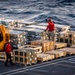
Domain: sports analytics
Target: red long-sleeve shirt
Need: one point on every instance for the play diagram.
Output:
(8, 48)
(50, 26)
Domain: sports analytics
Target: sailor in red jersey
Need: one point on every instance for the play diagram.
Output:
(8, 50)
(50, 28)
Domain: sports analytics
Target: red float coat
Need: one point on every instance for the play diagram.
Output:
(8, 48)
(50, 26)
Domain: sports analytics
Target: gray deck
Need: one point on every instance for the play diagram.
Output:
(61, 66)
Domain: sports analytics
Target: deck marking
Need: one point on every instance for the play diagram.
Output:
(66, 65)
(41, 70)
(70, 62)
(35, 65)
(73, 59)
(33, 68)
(28, 73)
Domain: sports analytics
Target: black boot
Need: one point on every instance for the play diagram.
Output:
(6, 63)
(12, 64)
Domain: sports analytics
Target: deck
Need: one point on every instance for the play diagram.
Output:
(60, 66)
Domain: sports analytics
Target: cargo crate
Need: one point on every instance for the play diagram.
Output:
(45, 44)
(18, 38)
(52, 43)
(41, 43)
(68, 37)
(33, 47)
(20, 55)
(25, 56)
(33, 55)
(16, 59)
(25, 60)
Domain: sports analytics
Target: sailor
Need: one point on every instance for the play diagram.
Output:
(8, 50)
(50, 28)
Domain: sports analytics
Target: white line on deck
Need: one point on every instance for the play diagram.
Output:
(43, 66)
(72, 59)
(41, 70)
(34, 68)
(70, 62)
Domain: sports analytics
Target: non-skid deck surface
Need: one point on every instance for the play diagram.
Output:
(63, 66)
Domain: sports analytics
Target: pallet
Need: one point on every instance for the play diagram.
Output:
(56, 53)
(59, 45)
(69, 51)
(44, 57)
(3, 56)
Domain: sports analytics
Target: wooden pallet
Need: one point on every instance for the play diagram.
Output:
(68, 51)
(44, 57)
(59, 45)
(3, 56)
(56, 53)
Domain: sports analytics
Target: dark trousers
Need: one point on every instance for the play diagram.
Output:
(8, 57)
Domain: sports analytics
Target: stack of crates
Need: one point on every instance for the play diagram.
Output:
(35, 34)
(18, 38)
(68, 37)
(31, 33)
(45, 44)
(26, 57)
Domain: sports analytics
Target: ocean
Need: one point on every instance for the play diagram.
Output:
(61, 11)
